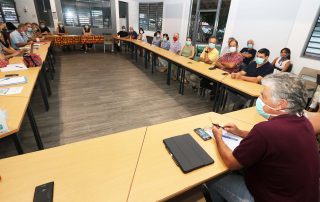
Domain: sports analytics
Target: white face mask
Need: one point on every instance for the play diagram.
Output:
(232, 49)
(141, 32)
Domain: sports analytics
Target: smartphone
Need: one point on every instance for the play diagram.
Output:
(205, 136)
(44, 193)
(212, 68)
(11, 75)
(225, 73)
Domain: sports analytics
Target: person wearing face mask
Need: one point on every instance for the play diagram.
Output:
(18, 37)
(121, 34)
(132, 34)
(226, 49)
(165, 44)
(86, 31)
(257, 69)
(230, 62)
(44, 29)
(61, 30)
(156, 41)
(278, 156)
(175, 47)
(249, 52)
(282, 63)
(210, 54)
(29, 31)
(141, 37)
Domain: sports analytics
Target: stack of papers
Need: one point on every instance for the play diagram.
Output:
(13, 80)
(14, 67)
(11, 91)
(231, 140)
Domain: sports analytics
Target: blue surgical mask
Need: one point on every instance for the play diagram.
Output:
(212, 45)
(29, 29)
(188, 43)
(164, 39)
(259, 106)
(250, 45)
(259, 61)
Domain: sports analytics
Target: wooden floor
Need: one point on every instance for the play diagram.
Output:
(97, 94)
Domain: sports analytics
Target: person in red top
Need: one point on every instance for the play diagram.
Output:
(232, 60)
(279, 156)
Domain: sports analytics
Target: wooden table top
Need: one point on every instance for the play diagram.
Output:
(249, 88)
(99, 169)
(248, 115)
(15, 108)
(157, 176)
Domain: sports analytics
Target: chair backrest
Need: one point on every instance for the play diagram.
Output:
(309, 75)
(107, 37)
(290, 68)
(199, 49)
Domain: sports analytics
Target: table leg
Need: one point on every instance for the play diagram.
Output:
(34, 128)
(183, 74)
(51, 64)
(216, 97)
(146, 59)
(43, 93)
(17, 143)
(46, 80)
(49, 69)
(169, 72)
(136, 52)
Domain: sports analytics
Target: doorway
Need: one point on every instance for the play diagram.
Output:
(123, 14)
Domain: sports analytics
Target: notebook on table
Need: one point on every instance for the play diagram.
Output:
(187, 153)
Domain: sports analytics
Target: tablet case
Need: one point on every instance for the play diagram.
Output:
(187, 153)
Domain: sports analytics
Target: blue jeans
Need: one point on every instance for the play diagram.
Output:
(230, 187)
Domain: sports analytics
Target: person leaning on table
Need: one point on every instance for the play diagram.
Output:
(279, 156)
(257, 69)
(232, 60)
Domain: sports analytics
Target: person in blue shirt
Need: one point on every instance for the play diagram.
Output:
(18, 37)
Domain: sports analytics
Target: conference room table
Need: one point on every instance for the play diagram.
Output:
(223, 79)
(248, 115)
(17, 105)
(99, 169)
(66, 39)
(128, 166)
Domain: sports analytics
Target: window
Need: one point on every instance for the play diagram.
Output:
(8, 11)
(313, 46)
(96, 13)
(150, 16)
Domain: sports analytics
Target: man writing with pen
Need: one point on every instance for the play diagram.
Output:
(279, 157)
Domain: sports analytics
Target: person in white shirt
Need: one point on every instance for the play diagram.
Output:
(282, 63)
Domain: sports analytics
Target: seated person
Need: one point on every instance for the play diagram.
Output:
(132, 34)
(4, 34)
(282, 63)
(249, 52)
(86, 31)
(231, 61)
(210, 54)
(256, 70)
(279, 156)
(142, 37)
(226, 49)
(36, 29)
(44, 29)
(121, 34)
(18, 37)
(61, 30)
(156, 41)
(175, 47)
(165, 44)
(29, 31)
(10, 26)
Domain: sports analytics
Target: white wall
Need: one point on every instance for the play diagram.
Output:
(133, 10)
(274, 25)
(175, 16)
(300, 34)
(30, 15)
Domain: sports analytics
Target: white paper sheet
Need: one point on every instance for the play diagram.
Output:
(13, 80)
(14, 67)
(231, 140)
(11, 91)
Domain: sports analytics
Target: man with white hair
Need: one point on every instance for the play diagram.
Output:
(279, 156)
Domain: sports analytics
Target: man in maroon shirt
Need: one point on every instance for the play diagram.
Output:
(279, 156)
